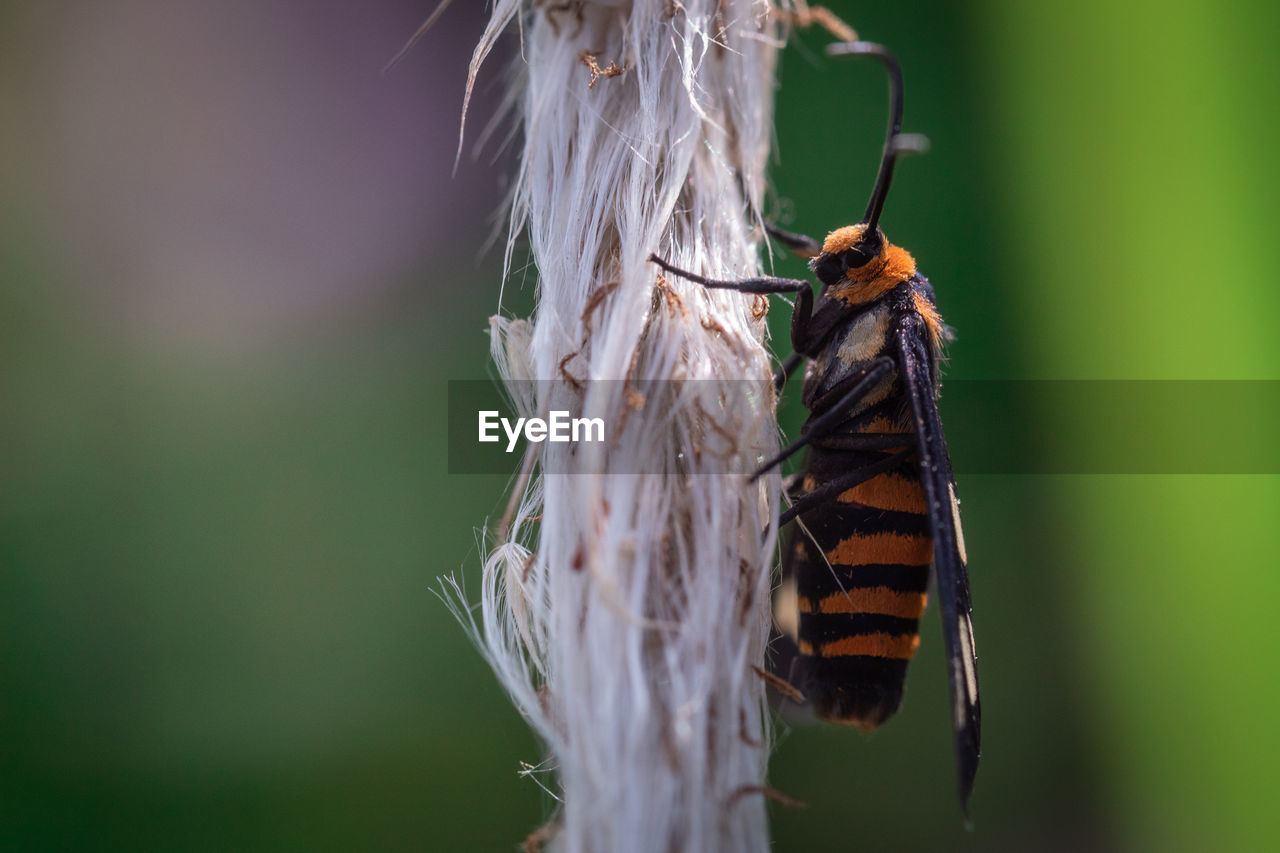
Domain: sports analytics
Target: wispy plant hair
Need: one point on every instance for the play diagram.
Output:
(625, 613)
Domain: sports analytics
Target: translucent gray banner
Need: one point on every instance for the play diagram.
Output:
(1037, 427)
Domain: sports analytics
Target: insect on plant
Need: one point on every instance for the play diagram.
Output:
(877, 502)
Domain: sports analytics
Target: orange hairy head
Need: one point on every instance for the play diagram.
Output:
(843, 238)
(859, 265)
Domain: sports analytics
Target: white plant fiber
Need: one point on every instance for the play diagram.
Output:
(625, 612)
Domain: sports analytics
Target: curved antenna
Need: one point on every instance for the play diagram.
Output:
(895, 143)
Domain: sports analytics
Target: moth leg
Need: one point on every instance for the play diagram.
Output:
(831, 489)
(801, 314)
(762, 284)
(832, 417)
(801, 311)
(802, 244)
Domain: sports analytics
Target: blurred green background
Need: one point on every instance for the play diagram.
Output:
(235, 276)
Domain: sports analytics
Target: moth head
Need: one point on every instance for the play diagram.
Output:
(847, 252)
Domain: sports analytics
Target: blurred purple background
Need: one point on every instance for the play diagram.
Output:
(220, 174)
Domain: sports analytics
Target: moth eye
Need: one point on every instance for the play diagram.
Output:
(853, 258)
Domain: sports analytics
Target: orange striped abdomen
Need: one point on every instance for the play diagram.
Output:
(859, 608)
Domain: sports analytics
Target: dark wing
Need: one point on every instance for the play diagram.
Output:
(917, 368)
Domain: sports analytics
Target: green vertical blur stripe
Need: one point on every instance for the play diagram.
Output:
(1138, 145)
(1135, 143)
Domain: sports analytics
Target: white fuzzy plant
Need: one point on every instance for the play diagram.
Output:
(625, 613)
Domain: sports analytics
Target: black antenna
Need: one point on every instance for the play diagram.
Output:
(895, 143)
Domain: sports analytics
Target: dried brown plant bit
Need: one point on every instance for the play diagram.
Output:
(784, 687)
(712, 325)
(553, 12)
(634, 399)
(759, 307)
(718, 26)
(728, 436)
(569, 377)
(595, 299)
(673, 300)
(804, 15)
(768, 792)
(590, 59)
(535, 841)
